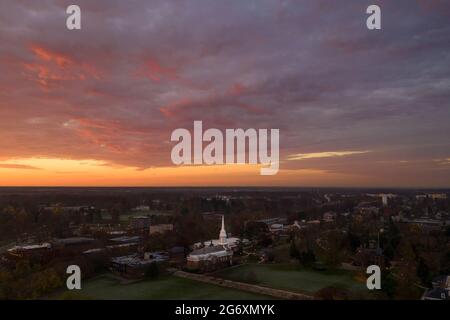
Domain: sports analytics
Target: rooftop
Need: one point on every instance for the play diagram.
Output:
(74, 240)
(208, 249)
(135, 260)
(125, 239)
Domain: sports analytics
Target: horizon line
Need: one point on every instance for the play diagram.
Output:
(230, 187)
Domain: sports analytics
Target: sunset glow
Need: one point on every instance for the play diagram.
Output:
(97, 106)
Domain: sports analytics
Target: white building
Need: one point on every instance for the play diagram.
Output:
(384, 199)
(213, 256)
(231, 242)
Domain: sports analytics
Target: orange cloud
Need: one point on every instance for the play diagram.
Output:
(155, 71)
(47, 55)
(52, 67)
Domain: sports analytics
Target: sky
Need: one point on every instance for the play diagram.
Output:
(96, 106)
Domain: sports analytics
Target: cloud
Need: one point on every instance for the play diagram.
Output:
(327, 154)
(18, 166)
(115, 90)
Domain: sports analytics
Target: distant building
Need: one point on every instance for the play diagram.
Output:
(371, 255)
(329, 216)
(440, 290)
(366, 209)
(135, 265)
(94, 251)
(73, 245)
(73, 241)
(428, 224)
(116, 233)
(125, 239)
(212, 257)
(436, 196)
(442, 281)
(384, 199)
(177, 256)
(297, 225)
(30, 251)
(141, 208)
(276, 228)
(141, 223)
(436, 294)
(270, 221)
(160, 228)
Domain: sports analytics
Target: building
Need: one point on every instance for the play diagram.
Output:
(160, 228)
(212, 257)
(440, 290)
(177, 256)
(329, 216)
(384, 199)
(276, 228)
(437, 294)
(73, 245)
(371, 255)
(436, 196)
(140, 223)
(141, 208)
(442, 281)
(365, 209)
(56, 247)
(231, 242)
(34, 251)
(135, 265)
(270, 221)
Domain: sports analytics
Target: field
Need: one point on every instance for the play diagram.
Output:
(169, 287)
(292, 278)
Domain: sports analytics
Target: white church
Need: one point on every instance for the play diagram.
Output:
(216, 254)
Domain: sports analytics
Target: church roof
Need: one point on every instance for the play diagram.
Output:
(207, 250)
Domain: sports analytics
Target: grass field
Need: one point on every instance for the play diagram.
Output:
(169, 287)
(293, 278)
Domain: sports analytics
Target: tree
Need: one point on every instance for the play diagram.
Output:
(116, 210)
(264, 240)
(388, 284)
(6, 280)
(254, 228)
(301, 215)
(293, 251)
(423, 272)
(330, 248)
(445, 263)
(152, 271)
(184, 211)
(307, 258)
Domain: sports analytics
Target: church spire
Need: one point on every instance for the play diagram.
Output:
(223, 233)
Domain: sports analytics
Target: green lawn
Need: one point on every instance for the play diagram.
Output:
(293, 278)
(168, 287)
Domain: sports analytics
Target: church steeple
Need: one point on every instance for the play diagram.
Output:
(223, 233)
